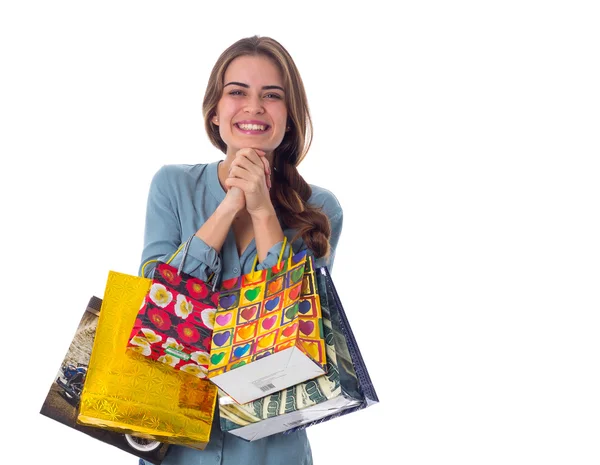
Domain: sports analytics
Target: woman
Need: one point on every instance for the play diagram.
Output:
(256, 113)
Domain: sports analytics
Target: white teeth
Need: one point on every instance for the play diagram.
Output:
(252, 127)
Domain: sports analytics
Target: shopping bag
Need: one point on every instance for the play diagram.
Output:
(305, 402)
(354, 365)
(175, 324)
(126, 392)
(262, 342)
(62, 400)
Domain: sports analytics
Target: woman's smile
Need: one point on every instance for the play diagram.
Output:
(252, 127)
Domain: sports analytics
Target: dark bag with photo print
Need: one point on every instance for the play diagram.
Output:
(62, 401)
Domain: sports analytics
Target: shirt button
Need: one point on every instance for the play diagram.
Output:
(236, 270)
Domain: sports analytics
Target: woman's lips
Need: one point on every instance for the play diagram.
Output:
(252, 131)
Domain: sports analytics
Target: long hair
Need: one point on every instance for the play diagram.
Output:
(290, 192)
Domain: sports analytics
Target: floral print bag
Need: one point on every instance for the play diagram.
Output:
(175, 323)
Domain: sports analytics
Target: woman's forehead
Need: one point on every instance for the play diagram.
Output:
(253, 70)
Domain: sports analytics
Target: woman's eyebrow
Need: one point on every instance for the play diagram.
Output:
(241, 84)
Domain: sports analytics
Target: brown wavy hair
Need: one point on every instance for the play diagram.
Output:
(290, 192)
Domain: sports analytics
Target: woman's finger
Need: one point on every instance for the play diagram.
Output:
(237, 182)
(247, 164)
(254, 155)
(267, 170)
(267, 166)
(247, 160)
(241, 173)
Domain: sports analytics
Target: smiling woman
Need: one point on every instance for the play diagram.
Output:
(239, 112)
(256, 113)
(248, 86)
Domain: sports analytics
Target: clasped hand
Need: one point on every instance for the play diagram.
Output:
(251, 173)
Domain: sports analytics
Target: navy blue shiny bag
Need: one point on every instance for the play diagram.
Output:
(353, 371)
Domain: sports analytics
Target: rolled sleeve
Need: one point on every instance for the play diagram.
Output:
(273, 255)
(200, 261)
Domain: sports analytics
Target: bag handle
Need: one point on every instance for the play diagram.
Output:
(185, 252)
(278, 260)
(185, 246)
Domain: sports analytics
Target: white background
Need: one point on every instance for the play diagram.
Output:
(461, 139)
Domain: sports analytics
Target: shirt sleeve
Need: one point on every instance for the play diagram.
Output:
(162, 235)
(336, 230)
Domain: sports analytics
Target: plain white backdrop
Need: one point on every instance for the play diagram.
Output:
(461, 139)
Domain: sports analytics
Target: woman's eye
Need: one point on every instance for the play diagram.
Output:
(269, 95)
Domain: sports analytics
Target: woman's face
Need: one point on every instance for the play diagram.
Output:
(252, 111)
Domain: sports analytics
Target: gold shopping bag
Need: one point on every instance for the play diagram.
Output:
(128, 393)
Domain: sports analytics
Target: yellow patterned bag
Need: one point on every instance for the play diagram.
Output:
(268, 332)
(128, 393)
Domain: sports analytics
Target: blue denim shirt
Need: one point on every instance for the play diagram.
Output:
(181, 199)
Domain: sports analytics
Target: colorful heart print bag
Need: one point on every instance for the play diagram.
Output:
(261, 342)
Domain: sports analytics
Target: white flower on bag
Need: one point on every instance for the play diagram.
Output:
(160, 295)
(151, 336)
(208, 317)
(201, 358)
(169, 359)
(173, 343)
(142, 349)
(195, 370)
(140, 341)
(183, 308)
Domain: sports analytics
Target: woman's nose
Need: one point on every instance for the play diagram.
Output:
(254, 106)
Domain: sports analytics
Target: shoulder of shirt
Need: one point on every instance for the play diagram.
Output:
(324, 199)
(178, 174)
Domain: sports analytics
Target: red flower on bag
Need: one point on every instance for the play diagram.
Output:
(170, 276)
(197, 289)
(188, 333)
(160, 318)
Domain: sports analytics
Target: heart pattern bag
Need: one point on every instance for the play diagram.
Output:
(260, 344)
